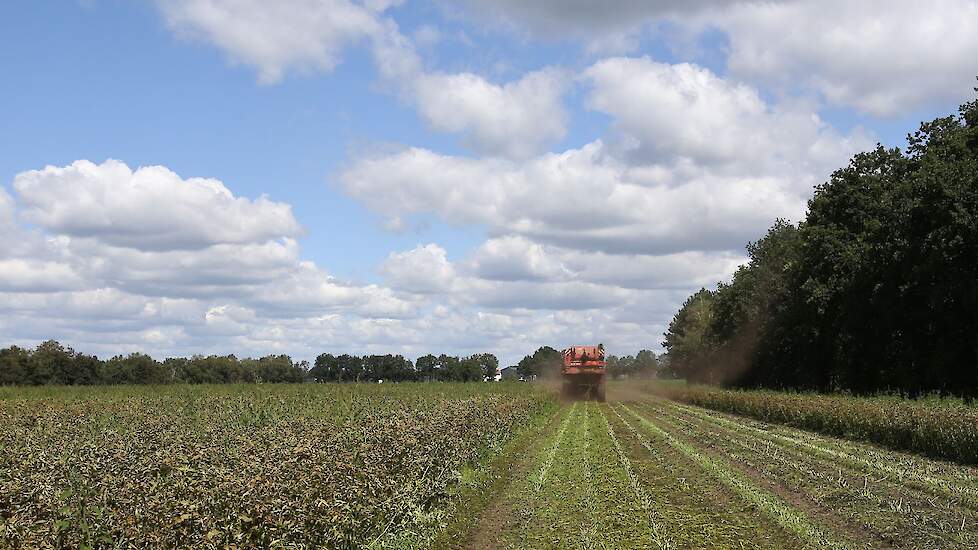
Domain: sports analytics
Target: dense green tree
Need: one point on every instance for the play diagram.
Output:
(488, 364)
(545, 362)
(278, 369)
(646, 364)
(448, 368)
(325, 369)
(877, 289)
(51, 363)
(427, 367)
(470, 369)
(687, 338)
(743, 308)
(136, 368)
(14, 365)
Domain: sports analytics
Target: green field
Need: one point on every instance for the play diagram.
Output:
(450, 466)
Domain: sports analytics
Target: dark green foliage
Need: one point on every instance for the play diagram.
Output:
(876, 290)
(488, 364)
(426, 367)
(51, 363)
(13, 365)
(545, 362)
(395, 368)
(644, 365)
(687, 338)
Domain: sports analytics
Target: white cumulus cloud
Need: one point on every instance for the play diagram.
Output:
(143, 260)
(516, 119)
(513, 119)
(150, 208)
(424, 269)
(274, 37)
(696, 163)
(883, 57)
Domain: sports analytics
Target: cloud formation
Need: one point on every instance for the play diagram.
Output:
(600, 241)
(213, 290)
(881, 57)
(697, 163)
(161, 261)
(150, 208)
(275, 37)
(584, 18)
(515, 120)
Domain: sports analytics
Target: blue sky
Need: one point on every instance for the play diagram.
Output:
(467, 176)
(135, 92)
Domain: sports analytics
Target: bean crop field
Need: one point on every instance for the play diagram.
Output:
(469, 466)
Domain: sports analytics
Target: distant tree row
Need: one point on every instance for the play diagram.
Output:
(643, 365)
(53, 363)
(395, 368)
(877, 289)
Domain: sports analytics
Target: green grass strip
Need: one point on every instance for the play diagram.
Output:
(549, 462)
(588, 532)
(657, 532)
(787, 517)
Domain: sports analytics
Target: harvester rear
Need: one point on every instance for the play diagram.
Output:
(582, 373)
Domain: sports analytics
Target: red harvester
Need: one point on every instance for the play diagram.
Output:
(583, 372)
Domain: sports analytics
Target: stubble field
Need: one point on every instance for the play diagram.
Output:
(450, 466)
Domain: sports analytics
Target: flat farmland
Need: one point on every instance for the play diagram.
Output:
(450, 466)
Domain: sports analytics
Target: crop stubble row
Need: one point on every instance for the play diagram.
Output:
(897, 500)
(826, 492)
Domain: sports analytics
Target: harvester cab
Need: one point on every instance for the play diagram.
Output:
(582, 373)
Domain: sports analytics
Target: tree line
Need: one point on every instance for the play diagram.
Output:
(52, 363)
(395, 368)
(875, 290)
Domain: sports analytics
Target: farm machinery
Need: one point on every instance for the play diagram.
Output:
(582, 373)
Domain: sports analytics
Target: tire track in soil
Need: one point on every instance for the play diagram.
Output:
(697, 511)
(552, 509)
(589, 535)
(497, 519)
(657, 532)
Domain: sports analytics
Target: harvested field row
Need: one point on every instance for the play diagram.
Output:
(940, 428)
(893, 506)
(650, 473)
(452, 467)
(864, 496)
